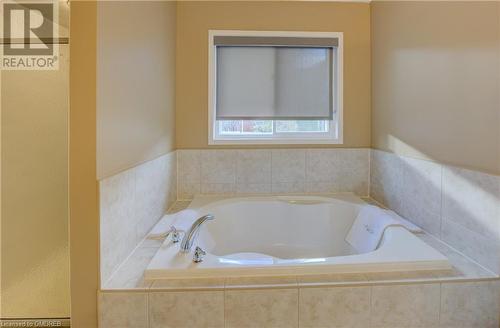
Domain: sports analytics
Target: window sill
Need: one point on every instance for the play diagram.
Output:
(275, 141)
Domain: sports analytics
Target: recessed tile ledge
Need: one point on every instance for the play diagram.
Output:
(310, 281)
(305, 281)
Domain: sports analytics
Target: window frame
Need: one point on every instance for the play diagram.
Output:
(335, 132)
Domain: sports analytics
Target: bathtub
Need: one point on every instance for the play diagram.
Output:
(288, 235)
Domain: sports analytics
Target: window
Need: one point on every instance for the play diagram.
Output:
(275, 87)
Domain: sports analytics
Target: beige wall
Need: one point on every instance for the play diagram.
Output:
(34, 141)
(83, 189)
(135, 83)
(35, 254)
(435, 78)
(194, 19)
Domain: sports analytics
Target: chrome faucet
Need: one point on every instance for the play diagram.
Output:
(175, 234)
(198, 255)
(190, 236)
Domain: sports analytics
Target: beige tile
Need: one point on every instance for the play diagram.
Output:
(351, 171)
(319, 166)
(171, 179)
(423, 217)
(398, 306)
(123, 310)
(253, 188)
(351, 183)
(331, 279)
(253, 166)
(421, 193)
(132, 202)
(151, 195)
(470, 305)
(131, 272)
(288, 187)
(386, 174)
(320, 170)
(262, 308)
(321, 187)
(217, 188)
(288, 165)
(189, 284)
(218, 166)
(403, 276)
(260, 282)
(334, 307)
(189, 165)
(187, 190)
(178, 206)
(186, 309)
(372, 201)
(434, 242)
(117, 220)
(463, 267)
(483, 250)
(472, 199)
(337, 170)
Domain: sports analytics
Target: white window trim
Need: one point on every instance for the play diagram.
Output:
(234, 140)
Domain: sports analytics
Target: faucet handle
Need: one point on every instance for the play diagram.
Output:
(198, 254)
(176, 236)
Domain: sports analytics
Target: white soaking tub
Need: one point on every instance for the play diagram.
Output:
(287, 235)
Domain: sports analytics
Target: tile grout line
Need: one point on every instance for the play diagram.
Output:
(236, 170)
(272, 156)
(441, 205)
(200, 167)
(177, 152)
(224, 313)
(298, 307)
(369, 172)
(440, 302)
(370, 306)
(147, 310)
(303, 181)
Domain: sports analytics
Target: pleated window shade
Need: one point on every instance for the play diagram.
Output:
(274, 78)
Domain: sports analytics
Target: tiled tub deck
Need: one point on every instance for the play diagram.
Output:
(468, 297)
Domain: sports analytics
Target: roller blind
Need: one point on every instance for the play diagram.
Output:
(274, 78)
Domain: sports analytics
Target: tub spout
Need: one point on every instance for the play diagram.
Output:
(192, 233)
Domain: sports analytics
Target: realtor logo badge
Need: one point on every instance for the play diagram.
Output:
(30, 34)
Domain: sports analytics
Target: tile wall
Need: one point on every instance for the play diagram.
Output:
(459, 206)
(131, 202)
(254, 171)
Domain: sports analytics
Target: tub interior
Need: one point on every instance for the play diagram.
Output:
(278, 228)
(272, 236)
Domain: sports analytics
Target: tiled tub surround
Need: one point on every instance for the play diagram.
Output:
(131, 202)
(255, 171)
(467, 296)
(315, 302)
(459, 206)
